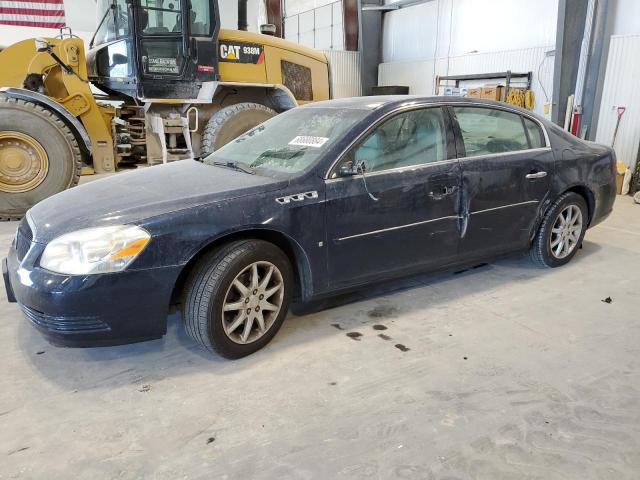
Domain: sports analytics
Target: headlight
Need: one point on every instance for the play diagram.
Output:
(95, 250)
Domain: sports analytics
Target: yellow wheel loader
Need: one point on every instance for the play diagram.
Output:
(160, 82)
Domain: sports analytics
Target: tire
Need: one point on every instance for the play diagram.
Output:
(550, 232)
(210, 286)
(57, 158)
(230, 122)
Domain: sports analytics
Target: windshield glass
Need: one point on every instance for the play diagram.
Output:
(114, 21)
(289, 142)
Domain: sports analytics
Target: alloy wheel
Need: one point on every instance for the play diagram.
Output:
(566, 231)
(252, 302)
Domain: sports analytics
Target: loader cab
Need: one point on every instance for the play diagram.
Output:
(155, 49)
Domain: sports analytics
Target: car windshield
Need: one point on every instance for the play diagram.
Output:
(288, 143)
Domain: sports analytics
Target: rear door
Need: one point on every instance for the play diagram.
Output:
(506, 167)
(403, 213)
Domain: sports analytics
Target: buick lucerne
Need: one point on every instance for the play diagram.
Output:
(320, 199)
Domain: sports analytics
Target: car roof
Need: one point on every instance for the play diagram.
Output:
(393, 102)
(376, 102)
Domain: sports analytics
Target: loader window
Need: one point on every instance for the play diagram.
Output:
(114, 23)
(160, 16)
(200, 20)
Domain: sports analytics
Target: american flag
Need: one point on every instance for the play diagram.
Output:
(32, 13)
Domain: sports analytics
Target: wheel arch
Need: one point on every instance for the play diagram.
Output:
(275, 96)
(580, 189)
(586, 193)
(298, 258)
(76, 127)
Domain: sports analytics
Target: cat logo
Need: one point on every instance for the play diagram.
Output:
(229, 52)
(241, 52)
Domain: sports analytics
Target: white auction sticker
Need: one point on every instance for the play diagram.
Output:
(308, 141)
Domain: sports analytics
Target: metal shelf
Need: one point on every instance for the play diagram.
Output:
(508, 75)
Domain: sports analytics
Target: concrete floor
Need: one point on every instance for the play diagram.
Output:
(510, 372)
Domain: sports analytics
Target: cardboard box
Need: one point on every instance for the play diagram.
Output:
(621, 168)
(449, 91)
(474, 92)
(492, 93)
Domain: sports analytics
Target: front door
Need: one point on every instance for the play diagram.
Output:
(403, 212)
(506, 171)
(175, 40)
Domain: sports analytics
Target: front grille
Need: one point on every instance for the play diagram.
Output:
(24, 238)
(65, 325)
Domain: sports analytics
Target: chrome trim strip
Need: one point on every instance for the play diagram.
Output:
(505, 206)
(373, 232)
(419, 166)
(32, 226)
(502, 154)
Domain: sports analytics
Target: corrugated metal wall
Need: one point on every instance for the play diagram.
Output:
(345, 73)
(420, 75)
(621, 89)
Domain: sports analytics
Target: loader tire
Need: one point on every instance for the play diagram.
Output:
(230, 122)
(39, 156)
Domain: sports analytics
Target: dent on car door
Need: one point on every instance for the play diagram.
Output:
(506, 171)
(403, 212)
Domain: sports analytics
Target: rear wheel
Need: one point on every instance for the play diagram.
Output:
(561, 232)
(236, 298)
(39, 156)
(230, 122)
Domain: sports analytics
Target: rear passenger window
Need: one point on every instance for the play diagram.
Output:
(486, 131)
(411, 138)
(536, 138)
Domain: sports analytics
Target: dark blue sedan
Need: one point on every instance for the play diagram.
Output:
(320, 199)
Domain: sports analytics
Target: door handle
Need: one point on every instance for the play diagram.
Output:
(442, 192)
(534, 175)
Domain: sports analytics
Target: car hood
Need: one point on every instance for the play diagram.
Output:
(130, 197)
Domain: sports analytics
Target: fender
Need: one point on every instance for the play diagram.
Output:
(63, 114)
(274, 235)
(280, 95)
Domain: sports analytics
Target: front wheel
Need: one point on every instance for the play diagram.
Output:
(561, 232)
(236, 298)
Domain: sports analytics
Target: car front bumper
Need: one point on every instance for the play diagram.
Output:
(90, 310)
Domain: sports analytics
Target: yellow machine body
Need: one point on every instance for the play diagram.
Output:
(71, 90)
(116, 130)
(276, 51)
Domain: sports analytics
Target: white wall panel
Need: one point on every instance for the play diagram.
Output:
(626, 15)
(229, 14)
(345, 73)
(320, 27)
(621, 90)
(420, 75)
(409, 33)
(466, 26)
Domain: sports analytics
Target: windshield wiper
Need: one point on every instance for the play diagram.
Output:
(236, 166)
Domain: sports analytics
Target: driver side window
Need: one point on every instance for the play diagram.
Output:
(412, 138)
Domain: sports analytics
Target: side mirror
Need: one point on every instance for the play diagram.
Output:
(351, 167)
(348, 169)
(118, 59)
